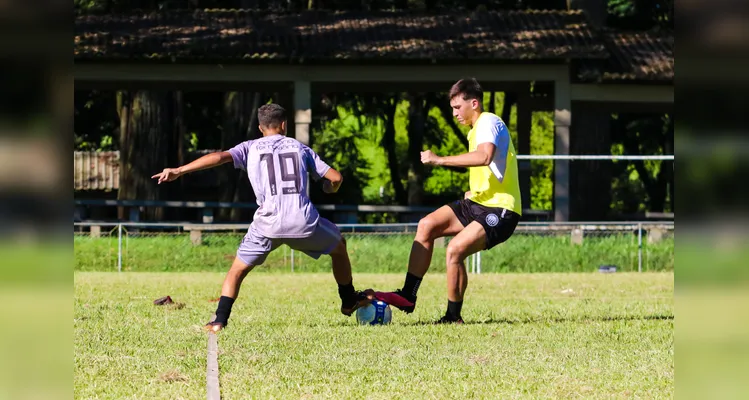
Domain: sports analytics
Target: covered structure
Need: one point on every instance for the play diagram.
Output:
(576, 70)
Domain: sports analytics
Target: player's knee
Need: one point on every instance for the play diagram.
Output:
(340, 248)
(426, 229)
(455, 252)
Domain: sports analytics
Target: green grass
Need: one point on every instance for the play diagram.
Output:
(526, 336)
(373, 253)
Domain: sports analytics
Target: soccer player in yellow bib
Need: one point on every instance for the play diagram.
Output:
(486, 217)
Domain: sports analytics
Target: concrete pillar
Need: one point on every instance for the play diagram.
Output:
(524, 121)
(576, 236)
(95, 231)
(196, 237)
(562, 122)
(655, 235)
(302, 111)
(303, 114)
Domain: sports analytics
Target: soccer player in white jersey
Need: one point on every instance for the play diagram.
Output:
(277, 167)
(486, 217)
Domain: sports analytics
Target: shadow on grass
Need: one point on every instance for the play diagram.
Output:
(499, 321)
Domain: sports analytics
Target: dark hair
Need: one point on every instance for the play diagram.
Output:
(469, 89)
(271, 115)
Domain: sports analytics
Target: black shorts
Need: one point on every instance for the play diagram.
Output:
(498, 223)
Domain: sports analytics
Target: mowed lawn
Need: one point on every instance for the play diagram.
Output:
(526, 336)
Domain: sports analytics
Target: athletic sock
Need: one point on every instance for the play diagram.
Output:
(453, 309)
(346, 292)
(411, 287)
(224, 309)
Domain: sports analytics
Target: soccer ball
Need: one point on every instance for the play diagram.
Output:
(376, 313)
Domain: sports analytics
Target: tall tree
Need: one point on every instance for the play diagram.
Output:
(148, 120)
(416, 128)
(388, 143)
(239, 124)
(647, 134)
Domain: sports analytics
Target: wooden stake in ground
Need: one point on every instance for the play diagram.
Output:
(212, 368)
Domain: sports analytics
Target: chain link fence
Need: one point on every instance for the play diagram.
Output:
(534, 247)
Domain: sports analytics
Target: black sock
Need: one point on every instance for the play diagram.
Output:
(453, 309)
(224, 309)
(346, 292)
(411, 287)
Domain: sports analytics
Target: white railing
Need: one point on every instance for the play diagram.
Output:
(631, 242)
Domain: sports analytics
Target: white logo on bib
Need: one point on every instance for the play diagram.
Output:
(492, 219)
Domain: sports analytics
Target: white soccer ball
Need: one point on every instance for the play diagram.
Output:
(376, 313)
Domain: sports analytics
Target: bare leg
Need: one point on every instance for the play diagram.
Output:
(350, 299)
(442, 222)
(234, 278)
(471, 240)
(229, 292)
(341, 264)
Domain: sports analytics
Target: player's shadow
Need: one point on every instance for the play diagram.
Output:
(555, 320)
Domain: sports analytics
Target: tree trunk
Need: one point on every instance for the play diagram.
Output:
(388, 142)
(239, 123)
(656, 187)
(416, 175)
(148, 142)
(510, 99)
(492, 103)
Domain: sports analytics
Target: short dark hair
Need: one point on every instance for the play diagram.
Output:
(271, 115)
(469, 89)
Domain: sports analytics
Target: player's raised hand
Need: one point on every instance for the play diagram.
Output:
(167, 175)
(427, 157)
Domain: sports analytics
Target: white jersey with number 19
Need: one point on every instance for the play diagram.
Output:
(277, 167)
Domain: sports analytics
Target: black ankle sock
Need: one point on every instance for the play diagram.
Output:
(347, 291)
(224, 309)
(453, 309)
(411, 287)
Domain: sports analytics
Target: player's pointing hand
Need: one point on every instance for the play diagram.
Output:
(167, 175)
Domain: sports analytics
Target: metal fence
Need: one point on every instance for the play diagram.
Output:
(534, 247)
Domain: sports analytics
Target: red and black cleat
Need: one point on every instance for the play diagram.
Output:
(361, 299)
(397, 299)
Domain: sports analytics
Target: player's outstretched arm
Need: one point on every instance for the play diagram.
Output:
(333, 181)
(482, 156)
(207, 161)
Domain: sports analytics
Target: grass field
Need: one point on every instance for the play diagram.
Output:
(149, 252)
(527, 336)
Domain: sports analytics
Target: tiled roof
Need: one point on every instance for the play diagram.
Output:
(251, 36)
(635, 56)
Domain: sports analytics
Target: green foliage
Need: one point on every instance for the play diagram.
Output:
(445, 182)
(641, 14)
(542, 171)
(640, 186)
(337, 144)
(96, 123)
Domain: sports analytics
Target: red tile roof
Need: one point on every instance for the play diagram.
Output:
(318, 36)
